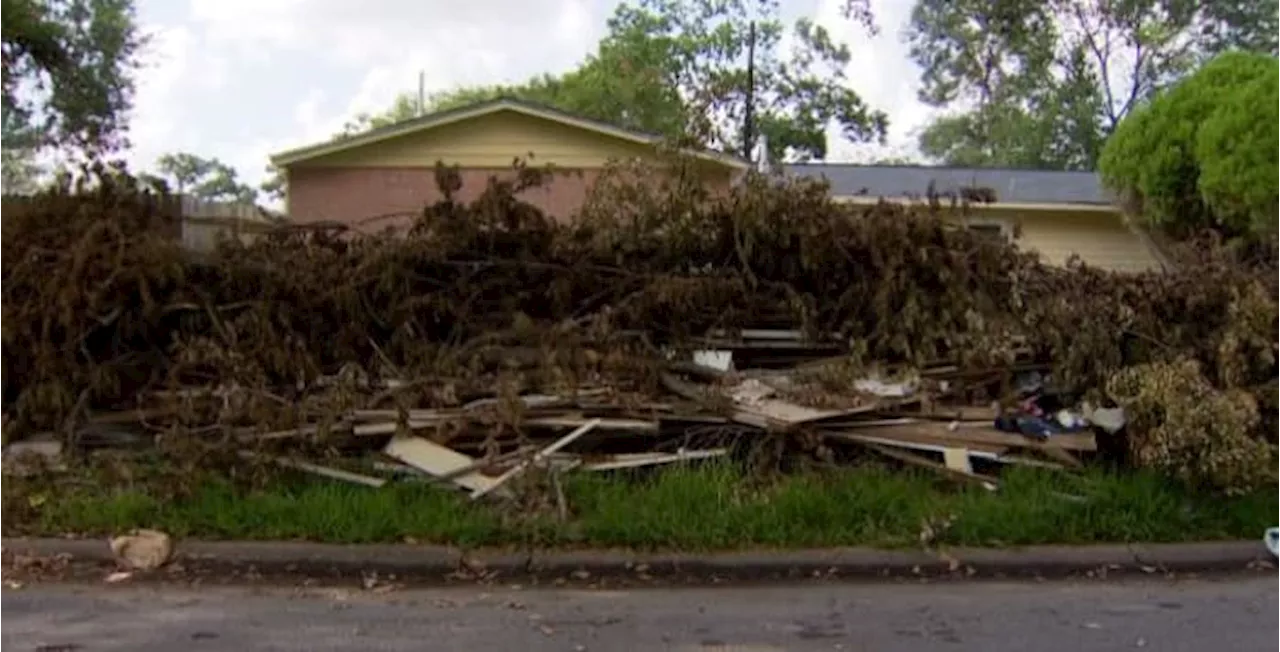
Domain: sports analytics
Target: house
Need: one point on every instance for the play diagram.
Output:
(1052, 212)
(389, 171)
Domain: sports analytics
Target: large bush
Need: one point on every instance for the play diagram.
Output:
(1203, 154)
(1237, 149)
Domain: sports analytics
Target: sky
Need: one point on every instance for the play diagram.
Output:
(241, 79)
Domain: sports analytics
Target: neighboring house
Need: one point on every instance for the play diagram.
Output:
(389, 171)
(1055, 213)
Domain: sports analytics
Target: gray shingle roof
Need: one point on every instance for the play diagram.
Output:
(1010, 185)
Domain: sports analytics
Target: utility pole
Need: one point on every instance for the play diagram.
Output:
(422, 92)
(748, 117)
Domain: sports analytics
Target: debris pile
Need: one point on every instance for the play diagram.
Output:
(490, 341)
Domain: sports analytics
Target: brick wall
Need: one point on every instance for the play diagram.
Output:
(376, 198)
(364, 196)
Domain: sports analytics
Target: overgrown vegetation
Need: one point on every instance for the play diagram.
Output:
(1202, 154)
(103, 308)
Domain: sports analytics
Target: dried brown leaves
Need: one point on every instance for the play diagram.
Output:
(101, 303)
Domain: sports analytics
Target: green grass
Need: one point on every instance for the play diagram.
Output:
(713, 507)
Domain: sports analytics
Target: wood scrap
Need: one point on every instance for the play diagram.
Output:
(438, 460)
(636, 460)
(536, 458)
(325, 471)
(985, 481)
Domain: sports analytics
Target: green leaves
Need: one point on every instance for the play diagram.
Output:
(1203, 153)
(1042, 84)
(678, 68)
(205, 178)
(18, 151)
(1237, 157)
(69, 68)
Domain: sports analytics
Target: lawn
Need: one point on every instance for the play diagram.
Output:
(704, 508)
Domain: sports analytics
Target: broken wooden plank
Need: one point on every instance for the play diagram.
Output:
(420, 419)
(985, 481)
(761, 412)
(325, 471)
(634, 460)
(537, 457)
(925, 445)
(438, 460)
(342, 427)
(1072, 441)
(957, 459)
(922, 441)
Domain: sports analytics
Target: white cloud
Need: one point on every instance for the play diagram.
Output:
(176, 70)
(883, 74)
(240, 79)
(218, 75)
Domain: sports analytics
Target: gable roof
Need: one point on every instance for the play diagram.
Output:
(1011, 185)
(472, 111)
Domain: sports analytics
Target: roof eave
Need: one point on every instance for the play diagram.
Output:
(301, 154)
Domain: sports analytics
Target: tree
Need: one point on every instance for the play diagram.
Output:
(68, 70)
(275, 185)
(205, 178)
(545, 89)
(404, 107)
(21, 172)
(1203, 153)
(678, 68)
(1042, 84)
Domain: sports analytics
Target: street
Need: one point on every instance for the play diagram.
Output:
(1237, 614)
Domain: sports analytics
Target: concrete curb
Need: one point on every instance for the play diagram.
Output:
(440, 561)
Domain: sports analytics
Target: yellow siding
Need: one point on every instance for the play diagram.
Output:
(491, 141)
(1100, 238)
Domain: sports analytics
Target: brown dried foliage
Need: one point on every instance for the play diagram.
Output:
(101, 305)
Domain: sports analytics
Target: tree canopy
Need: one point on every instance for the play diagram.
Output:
(1203, 153)
(69, 69)
(20, 171)
(678, 68)
(1042, 84)
(205, 178)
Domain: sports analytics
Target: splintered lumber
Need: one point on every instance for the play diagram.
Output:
(378, 423)
(985, 481)
(993, 454)
(634, 460)
(325, 471)
(985, 442)
(537, 458)
(760, 411)
(944, 435)
(438, 461)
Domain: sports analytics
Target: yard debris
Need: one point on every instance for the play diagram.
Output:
(491, 341)
(603, 429)
(538, 457)
(41, 451)
(117, 576)
(440, 461)
(142, 549)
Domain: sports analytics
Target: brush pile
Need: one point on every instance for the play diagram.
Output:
(492, 330)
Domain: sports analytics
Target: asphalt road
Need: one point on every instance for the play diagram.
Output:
(1193, 615)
